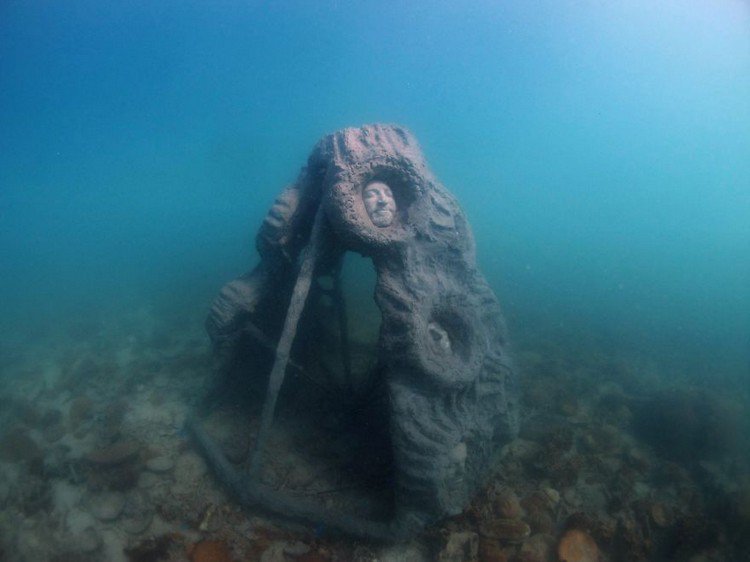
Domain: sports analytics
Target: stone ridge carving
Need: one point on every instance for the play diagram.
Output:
(452, 390)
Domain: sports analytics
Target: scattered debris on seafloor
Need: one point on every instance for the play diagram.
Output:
(582, 483)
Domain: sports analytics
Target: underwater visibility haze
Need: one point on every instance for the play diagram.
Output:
(600, 152)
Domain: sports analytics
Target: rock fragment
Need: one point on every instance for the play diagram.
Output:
(116, 453)
(107, 506)
(577, 546)
(460, 546)
(160, 464)
(16, 445)
(506, 530)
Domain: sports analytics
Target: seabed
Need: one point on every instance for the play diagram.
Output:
(95, 463)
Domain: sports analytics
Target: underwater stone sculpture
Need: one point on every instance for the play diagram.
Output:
(451, 388)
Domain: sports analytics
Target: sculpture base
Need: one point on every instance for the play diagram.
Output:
(347, 508)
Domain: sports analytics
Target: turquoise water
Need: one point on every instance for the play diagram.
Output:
(601, 152)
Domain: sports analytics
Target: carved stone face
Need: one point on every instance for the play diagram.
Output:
(379, 203)
(440, 339)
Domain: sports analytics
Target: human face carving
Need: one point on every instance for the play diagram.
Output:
(379, 203)
(440, 339)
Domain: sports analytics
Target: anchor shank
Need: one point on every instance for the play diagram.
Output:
(296, 306)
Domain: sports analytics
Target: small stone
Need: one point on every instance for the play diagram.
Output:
(538, 548)
(116, 453)
(17, 446)
(211, 520)
(507, 530)
(577, 546)
(274, 553)
(210, 551)
(236, 449)
(571, 498)
(188, 469)
(490, 550)
(541, 522)
(160, 464)
(568, 406)
(107, 506)
(520, 449)
(87, 541)
(50, 417)
(82, 432)
(552, 495)
(536, 502)
(296, 548)
(459, 547)
(641, 490)
(606, 528)
(147, 480)
(280, 551)
(137, 514)
(53, 433)
(153, 548)
(137, 523)
(742, 499)
(660, 515)
(507, 504)
(300, 477)
(81, 410)
(413, 551)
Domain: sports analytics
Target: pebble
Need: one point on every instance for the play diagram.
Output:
(520, 449)
(491, 550)
(541, 522)
(107, 506)
(577, 546)
(300, 477)
(87, 541)
(236, 449)
(553, 496)
(51, 417)
(16, 445)
(160, 464)
(296, 548)
(571, 498)
(507, 530)
(53, 433)
(189, 468)
(641, 490)
(138, 513)
(137, 523)
(211, 520)
(507, 504)
(660, 515)
(211, 551)
(459, 547)
(147, 480)
(114, 454)
(538, 548)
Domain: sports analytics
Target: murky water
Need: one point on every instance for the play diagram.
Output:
(600, 153)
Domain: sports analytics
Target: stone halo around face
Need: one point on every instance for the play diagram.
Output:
(379, 203)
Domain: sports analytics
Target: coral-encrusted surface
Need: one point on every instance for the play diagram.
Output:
(445, 381)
